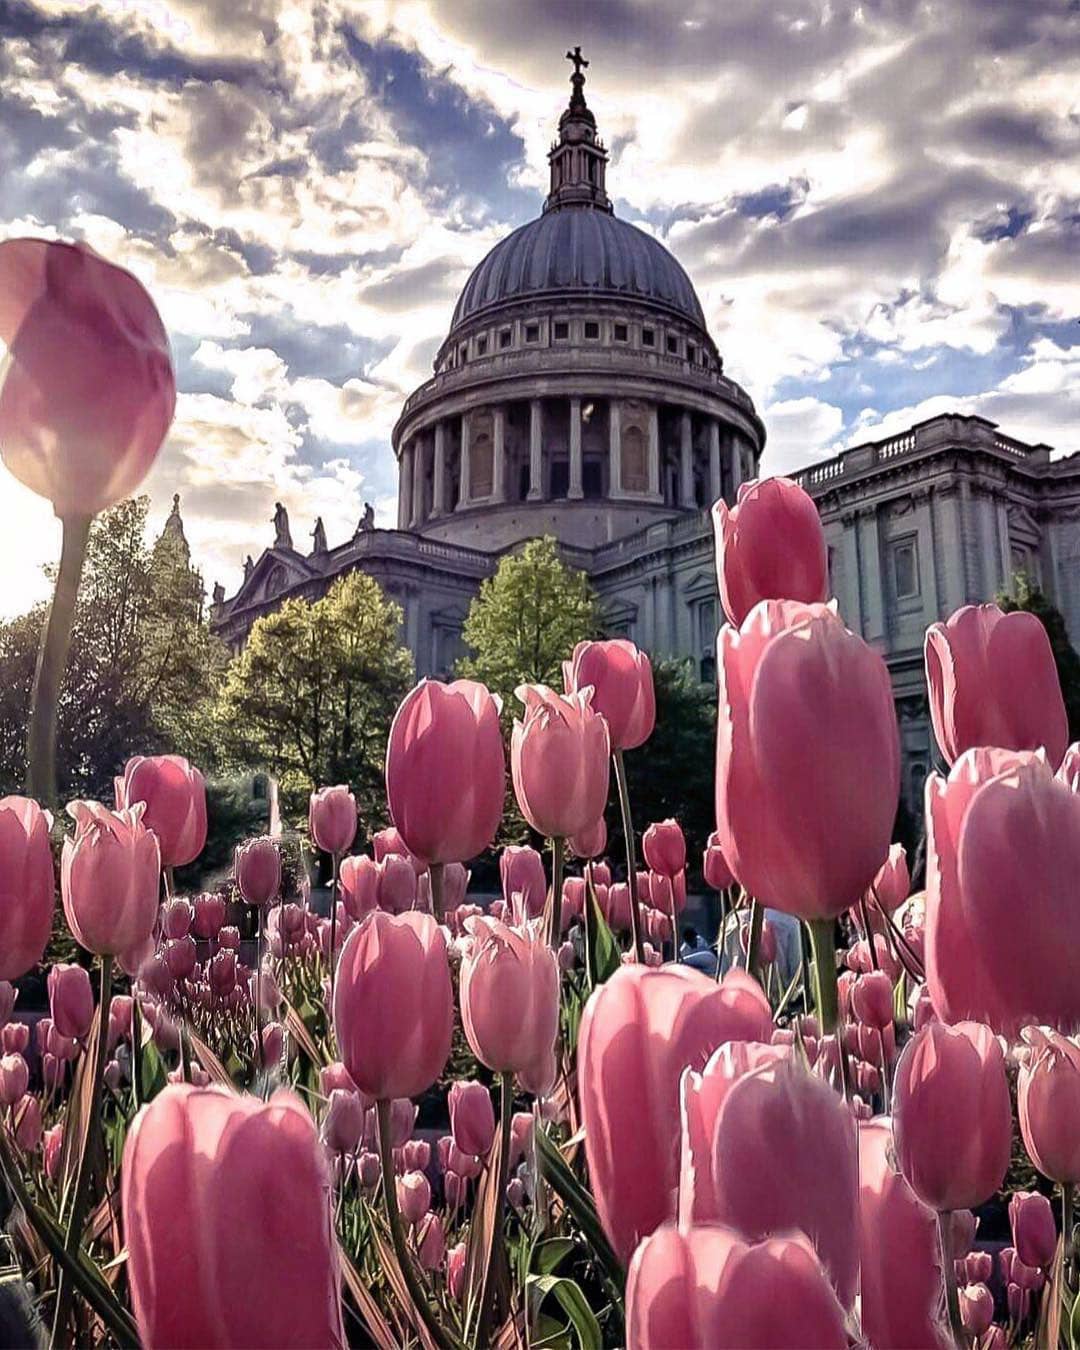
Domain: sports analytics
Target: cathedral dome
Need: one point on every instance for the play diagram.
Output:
(574, 253)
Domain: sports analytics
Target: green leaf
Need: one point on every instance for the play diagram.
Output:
(602, 951)
(547, 1256)
(579, 1204)
(574, 1304)
(152, 1075)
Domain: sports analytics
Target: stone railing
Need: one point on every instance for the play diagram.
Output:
(544, 360)
(951, 430)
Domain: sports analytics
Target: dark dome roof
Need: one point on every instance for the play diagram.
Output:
(578, 249)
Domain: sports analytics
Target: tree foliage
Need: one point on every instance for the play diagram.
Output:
(526, 621)
(311, 697)
(143, 665)
(1029, 597)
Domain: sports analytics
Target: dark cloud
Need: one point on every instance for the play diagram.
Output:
(333, 264)
(331, 351)
(439, 280)
(1004, 129)
(778, 199)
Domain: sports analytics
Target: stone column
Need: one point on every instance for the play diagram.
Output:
(686, 460)
(404, 507)
(536, 463)
(736, 464)
(654, 451)
(575, 448)
(614, 447)
(417, 517)
(498, 472)
(438, 504)
(716, 486)
(463, 488)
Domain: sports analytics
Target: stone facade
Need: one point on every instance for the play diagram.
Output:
(579, 394)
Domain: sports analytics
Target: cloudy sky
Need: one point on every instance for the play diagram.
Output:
(879, 203)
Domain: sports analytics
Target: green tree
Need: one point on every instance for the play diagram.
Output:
(1030, 598)
(143, 665)
(311, 697)
(526, 621)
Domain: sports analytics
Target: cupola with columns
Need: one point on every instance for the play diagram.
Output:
(578, 391)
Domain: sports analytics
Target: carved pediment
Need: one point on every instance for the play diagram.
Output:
(276, 572)
(701, 585)
(1023, 525)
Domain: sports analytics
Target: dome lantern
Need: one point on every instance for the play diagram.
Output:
(578, 158)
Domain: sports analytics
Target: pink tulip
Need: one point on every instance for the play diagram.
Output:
(9, 996)
(1048, 1105)
(590, 843)
(976, 1308)
(28, 1125)
(472, 1118)
(664, 847)
(27, 888)
(714, 865)
(14, 1077)
(222, 973)
(446, 770)
(615, 907)
(639, 1031)
(71, 1000)
(52, 1142)
(257, 866)
(358, 880)
(180, 956)
(559, 761)
(402, 1121)
(521, 1136)
(992, 681)
(109, 875)
(394, 974)
(521, 871)
(805, 710)
(455, 1271)
(872, 1000)
(413, 1196)
(332, 819)
(978, 1268)
(431, 1243)
(333, 1076)
(176, 918)
(368, 1170)
(952, 1118)
(273, 1044)
(515, 1193)
(1001, 827)
(397, 884)
(704, 1287)
(87, 391)
(900, 1254)
(1033, 1230)
(228, 1186)
(892, 885)
(620, 677)
(416, 1155)
(510, 1001)
(769, 546)
(343, 1123)
(390, 841)
(751, 1105)
(174, 794)
(15, 1038)
(229, 938)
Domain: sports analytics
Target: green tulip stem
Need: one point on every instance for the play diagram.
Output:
(261, 1049)
(436, 873)
(335, 863)
(81, 1198)
(631, 856)
(753, 945)
(558, 855)
(487, 1294)
(952, 1298)
(1068, 1193)
(417, 1293)
(720, 934)
(51, 661)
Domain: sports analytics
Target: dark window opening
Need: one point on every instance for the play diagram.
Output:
(463, 352)
(505, 338)
(560, 477)
(592, 478)
(481, 346)
(622, 333)
(648, 337)
(673, 345)
(691, 352)
(532, 332)
(562, 331)
(592, 330)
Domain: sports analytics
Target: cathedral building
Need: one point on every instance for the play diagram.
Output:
(579, 394)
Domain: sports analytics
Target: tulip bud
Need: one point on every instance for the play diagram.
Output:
(209, 915)
(472, 1118)
(714, 865)
(176, 918)
(455, 1271)
(257, 866)
(515, 1193)
(590, 843)
(229, 938)
(174, 796)
(976, 1308)
(664, 847)
(15, 1038)
(521, 871)
(14, 1077)
(416, 1155)
(397, 884)
(343, 1123)
(27, 1115)
(26, 888)
(1033, 1229)
(402, 1120)
(560, 761)
(112, 1075)
(180, 955)
(621, 679)
(332, 819)
(358, 881)
(1048, 1104)
(413, 1196)
(872, 1000)
(431, 1243)
(71, 1000)
(52, 1141)
(368, 1170)
(109, 877)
